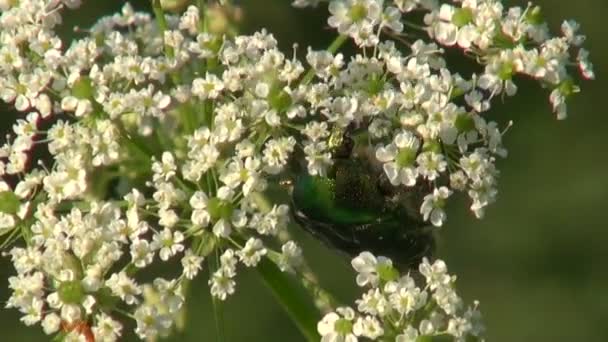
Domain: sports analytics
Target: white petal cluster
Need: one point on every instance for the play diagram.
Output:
(396, 308)
(72, 269)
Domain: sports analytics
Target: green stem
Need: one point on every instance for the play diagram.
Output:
(189, 118)
(85, 205)
(323, 300)
(202, 12)
(218, 310)
(161, 21)
(136, 147)
(414, 26)
(159, 13)
(297, 306)
(335, 45)
(14, 235)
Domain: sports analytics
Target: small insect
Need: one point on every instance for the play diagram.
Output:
(354, 208)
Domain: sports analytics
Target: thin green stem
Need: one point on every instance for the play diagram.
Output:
(297, 306)
(323, 300)
(414, 26)
(11, 238)
(161, 21)
(85, 206)
(138, 150)
(218, 310)
(202, 12)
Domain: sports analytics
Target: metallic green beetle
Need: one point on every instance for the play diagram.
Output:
(352, 209)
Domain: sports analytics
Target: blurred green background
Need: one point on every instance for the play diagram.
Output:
(537, 262)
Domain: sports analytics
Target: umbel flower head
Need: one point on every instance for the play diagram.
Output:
(165, 134)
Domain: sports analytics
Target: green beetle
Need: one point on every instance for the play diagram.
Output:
(353, 209)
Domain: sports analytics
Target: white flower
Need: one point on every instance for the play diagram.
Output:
(167, 217)
(200, 216)
(106, 329)
(208, 87)
(7, 221)
(253, 251)
(459, 327)
(324, 63)
(367, 266)
(273, 222)
(318, 158)
(431, 164)
(191, 264)
(399, 158)
(228, 262)
(169, 243)
(142, 254)
(337, 326)
(32, 311)
(369, 327)
(291, 257)
(432, 207)
(391, 18)
(190, 19)
(51, 323)
(444, 31)
(348, 15)
(276, 153)
(447, 299)
(222, 284)
(569, 29)
(222, 228)
(373, 302)
(558, 101)
(245, 174)
(436, 274)
(165, 169)
(80, 107)
(407, 298)
(124, 287)
(410, 334)
(151, 322)
(585, 66)
(476, 100)
(316, 131)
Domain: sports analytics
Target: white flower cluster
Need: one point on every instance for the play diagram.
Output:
(424, 121)
(394, 308)
(102, 101)
(163, 133)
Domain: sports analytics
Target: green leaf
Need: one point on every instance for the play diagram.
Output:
(9, 202)
(298, 307)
